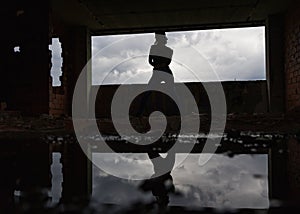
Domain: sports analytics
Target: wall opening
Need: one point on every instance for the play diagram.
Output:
(56, 62)
(17, 49)
(233, 54)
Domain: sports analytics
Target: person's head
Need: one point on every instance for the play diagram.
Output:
(161, 37)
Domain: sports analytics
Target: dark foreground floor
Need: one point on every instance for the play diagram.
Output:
(26, 146)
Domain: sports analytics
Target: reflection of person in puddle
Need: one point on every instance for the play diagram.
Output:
(161, 182)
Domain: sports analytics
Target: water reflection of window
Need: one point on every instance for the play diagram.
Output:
(57, 177)
(238, 182)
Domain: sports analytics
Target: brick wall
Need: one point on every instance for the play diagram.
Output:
(292, 58)
(24, 74)
(75, 43)
(57, 100)
(292, 73)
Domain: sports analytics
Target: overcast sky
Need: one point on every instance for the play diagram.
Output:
(206, 55)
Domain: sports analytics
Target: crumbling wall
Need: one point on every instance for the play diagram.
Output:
(58, 94)
(292, 58)
(292, 74)
(57, 99)
(24, 72)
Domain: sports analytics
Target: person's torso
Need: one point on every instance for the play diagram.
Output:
(162, 56)
(161, 51)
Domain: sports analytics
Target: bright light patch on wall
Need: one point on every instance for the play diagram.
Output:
(235, 54)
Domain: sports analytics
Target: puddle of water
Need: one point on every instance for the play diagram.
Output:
(238, 182)
(37, 173)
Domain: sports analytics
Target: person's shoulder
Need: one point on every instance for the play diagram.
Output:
(152, 47)
(170, 49)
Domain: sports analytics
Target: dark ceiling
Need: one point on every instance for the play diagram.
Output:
(116, 16)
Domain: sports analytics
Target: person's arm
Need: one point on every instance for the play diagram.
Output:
(169, 56)
(150, 60)
(150, 57)
(167, 61)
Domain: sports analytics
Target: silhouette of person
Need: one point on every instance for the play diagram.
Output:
(160, 57)
(161, 182)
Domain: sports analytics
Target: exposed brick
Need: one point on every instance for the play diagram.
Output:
(292, 57)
